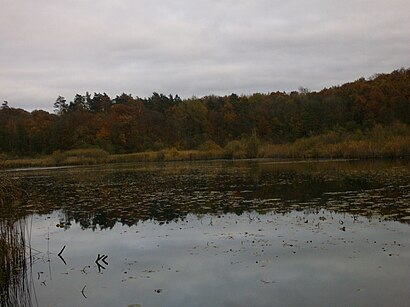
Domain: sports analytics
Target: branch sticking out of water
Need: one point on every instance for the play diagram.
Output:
(61, 257)
(101, 258)
(82, 291)
(59, 254)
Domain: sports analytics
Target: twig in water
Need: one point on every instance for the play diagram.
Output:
(83, 270)
(103, 259)
(59, 254)
(97, 261)
(61, 257)
(82, 291)
(63, 260)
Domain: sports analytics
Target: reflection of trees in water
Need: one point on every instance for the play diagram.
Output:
(14, 281)
(309, 196)
(103, 198)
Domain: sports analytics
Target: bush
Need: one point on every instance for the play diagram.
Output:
(80, 156)
(209, 146)
(252, 145)
(235, 150)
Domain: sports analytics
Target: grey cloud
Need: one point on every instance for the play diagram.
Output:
(50, 48)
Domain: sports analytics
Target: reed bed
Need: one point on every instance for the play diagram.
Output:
(334, 146)
(14, 281)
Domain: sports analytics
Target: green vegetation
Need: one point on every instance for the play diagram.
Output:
(362, 119)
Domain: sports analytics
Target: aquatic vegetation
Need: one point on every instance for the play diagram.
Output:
(128, 194)
(147, 230)
(14, 282)
(5, 186)
(14, 287)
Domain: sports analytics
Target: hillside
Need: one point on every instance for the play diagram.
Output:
(375, 109)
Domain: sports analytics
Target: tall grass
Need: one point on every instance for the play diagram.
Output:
(14, 285)
(8, 190)
(14, 281)
(171, 154)
(380, 142)
(80, 157)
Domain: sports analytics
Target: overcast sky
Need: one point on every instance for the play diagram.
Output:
(194, 47)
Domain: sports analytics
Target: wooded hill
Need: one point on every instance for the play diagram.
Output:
(127, 124)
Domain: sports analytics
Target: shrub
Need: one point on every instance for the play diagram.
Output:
(80, 156)
(209, 146)
(235, 150)
(252, 145)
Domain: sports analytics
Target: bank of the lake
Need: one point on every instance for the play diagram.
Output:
(376, 144)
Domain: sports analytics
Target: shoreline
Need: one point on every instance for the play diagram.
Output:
(26, 164)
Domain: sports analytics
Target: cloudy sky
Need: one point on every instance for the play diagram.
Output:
(194, 47)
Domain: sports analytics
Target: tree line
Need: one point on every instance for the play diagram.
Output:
(132, 124)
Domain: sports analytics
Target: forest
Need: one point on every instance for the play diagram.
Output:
(359, 114)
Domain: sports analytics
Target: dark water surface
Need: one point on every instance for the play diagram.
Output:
(220, 234)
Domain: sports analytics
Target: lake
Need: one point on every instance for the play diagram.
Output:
(223, 233)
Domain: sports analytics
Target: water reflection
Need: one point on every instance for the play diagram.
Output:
(229, 260)
(103, 196)
(219, 234)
